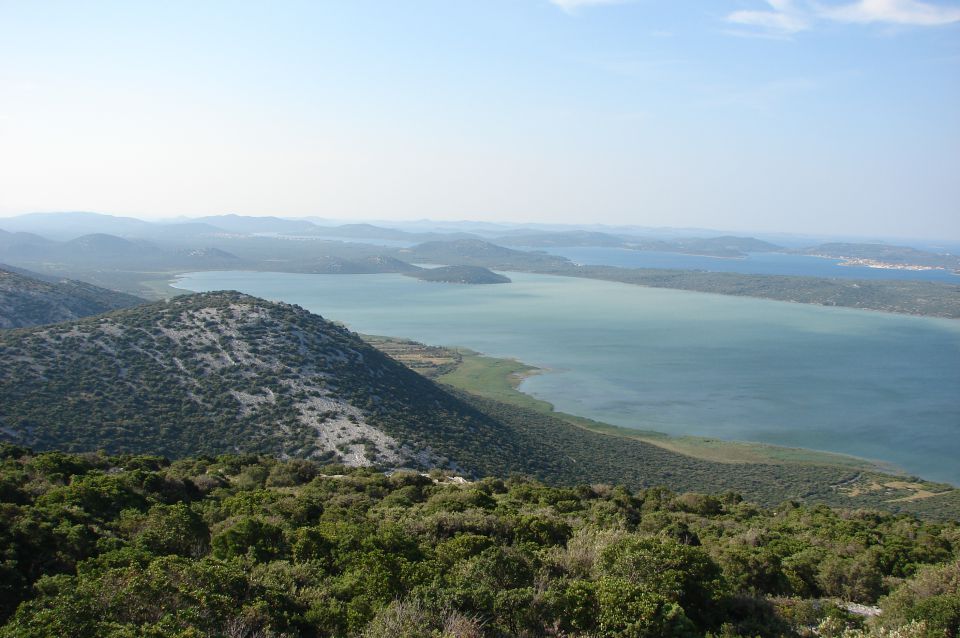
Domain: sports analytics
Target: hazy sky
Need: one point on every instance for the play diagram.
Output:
(835, 116)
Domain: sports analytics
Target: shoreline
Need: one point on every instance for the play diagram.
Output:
(873, 476)
(477, 374)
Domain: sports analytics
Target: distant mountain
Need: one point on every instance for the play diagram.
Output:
(23, 245)
(364, 231)
(104, 247)
(103, 250)
(203, 258)
(460, 275)
(69, 225)
(182, 231)
(244, 224)
(371, 232)
(726, 246)
(27, 300)
(562, 238)
(476, 252)
(726, 243)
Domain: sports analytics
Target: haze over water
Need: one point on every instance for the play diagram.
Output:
(871, 384)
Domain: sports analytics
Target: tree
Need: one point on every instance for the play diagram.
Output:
(260, 540)
(680, 573)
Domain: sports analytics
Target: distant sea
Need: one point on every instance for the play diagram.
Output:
(754, 263)
(871, 384)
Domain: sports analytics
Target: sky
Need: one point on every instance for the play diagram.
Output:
(826, 116)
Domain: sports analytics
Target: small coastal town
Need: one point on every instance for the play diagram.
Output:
(886, 265)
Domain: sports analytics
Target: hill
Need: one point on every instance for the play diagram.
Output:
(27, 300)
(330, 264)
(103, 247)
(364, 231)
(67, 226)
(476, 252)
(460, 275)
(107, 259)
(246, 224)
(725, 246)
(70, 225)
(561, 238)
(144, 266)
(369, 232)
(23, 245)
(222, 372)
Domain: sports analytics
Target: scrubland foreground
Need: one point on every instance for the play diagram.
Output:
(251, 546)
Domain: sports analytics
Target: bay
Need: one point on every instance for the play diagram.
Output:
(870, 384)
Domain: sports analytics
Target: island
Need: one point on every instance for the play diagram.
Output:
(459, 275)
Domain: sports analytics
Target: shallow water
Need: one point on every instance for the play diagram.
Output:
(871, 384)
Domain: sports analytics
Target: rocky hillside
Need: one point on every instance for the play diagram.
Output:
(224, 372)
(27, 300)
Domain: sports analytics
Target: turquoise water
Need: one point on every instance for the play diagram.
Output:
(875, 385)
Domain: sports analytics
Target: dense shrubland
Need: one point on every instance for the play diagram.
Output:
(251, 546)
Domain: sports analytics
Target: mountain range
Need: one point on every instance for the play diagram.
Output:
(105, 250)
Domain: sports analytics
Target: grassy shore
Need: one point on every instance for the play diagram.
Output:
(499, 379)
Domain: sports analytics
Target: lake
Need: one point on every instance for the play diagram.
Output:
(870, 384)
